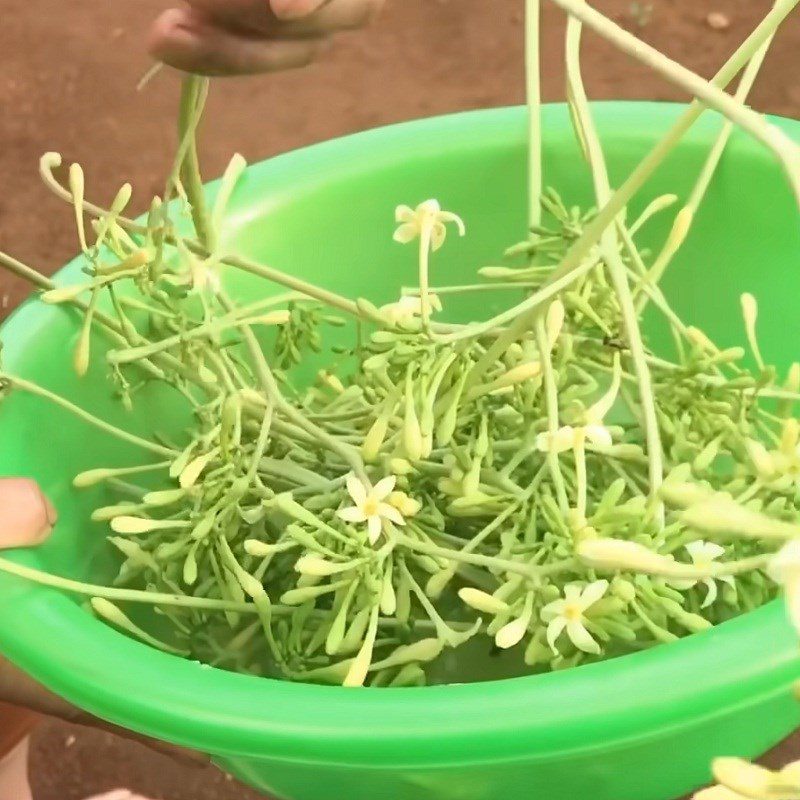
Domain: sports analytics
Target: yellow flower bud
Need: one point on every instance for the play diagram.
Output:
(519, 374)
(511, 635)
(407, 506)
(191, 472)
(136, 525)
(743, 777)
(399, 466)
(374, 439)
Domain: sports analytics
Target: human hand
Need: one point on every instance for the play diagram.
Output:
(26, 519)
(236, 37)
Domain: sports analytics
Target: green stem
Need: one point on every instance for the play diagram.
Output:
(193, 87)
(611, 252)
(194, 190)
(492, 562)
(551, 400)
(786, 150)
(580, 472)
(214, 326)
(112, 328)
(665, 146)
(534, 98)
(413, 291)
(125, 595)
(32, 388)
(424, 275)
(238, 262)
(270, 386)
(519, 312)
(161, 599)
(664, 258)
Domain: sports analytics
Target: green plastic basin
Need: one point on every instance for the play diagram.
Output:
(642, 727)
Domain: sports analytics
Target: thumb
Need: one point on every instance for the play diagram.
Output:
(26, 515)
(295, 9)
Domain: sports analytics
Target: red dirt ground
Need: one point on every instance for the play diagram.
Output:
(67, 84)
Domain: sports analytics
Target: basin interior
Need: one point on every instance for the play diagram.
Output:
(333, 224)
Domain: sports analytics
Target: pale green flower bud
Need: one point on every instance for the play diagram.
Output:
(422, 651)
(92, 477)
(319, 567)
(164, 498)
(438, 582)
(388, 596)
(623, 589)
(108, 611)
(537, 653)
(511, 634)
(482, 601)
(190, 567)
(409, 675)
(683, 495)
(721, 514)
(374, 439)
(618, 554)
(706, 456)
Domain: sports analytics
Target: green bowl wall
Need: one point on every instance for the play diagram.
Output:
(642, 727)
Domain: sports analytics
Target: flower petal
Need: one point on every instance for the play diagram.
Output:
(351, 514)
(563, 439)
(762, 459)
(592, 593)
(552, 610)
(356, 488)
(696, 549)
(554, 630)
(581, 638)
(374, 528)
(785, 565)
(404, 214)
(711, 595)
(718, 793)
(383, 488)
(572, 592)
(438, 236)
(598, 436)
(411, 304)
(391, 513)
(431, 207)
(543, 442)
(406, 233)
(449, 216)
(597, 413)
(714, 550)
(701, 551)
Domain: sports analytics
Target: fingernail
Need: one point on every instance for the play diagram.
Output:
(26, 516)
(49, 509)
